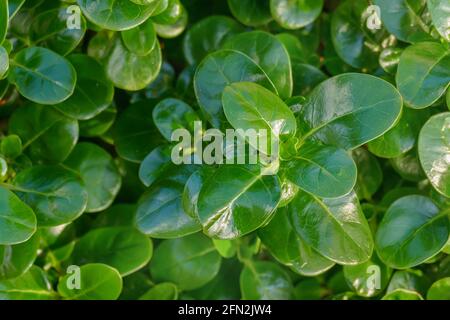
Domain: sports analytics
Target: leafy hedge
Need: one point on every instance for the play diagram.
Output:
(360, 205)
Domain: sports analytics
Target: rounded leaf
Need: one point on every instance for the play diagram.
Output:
(189, 262)
(56, 195)
(352, 119)
(97, 282)
(230, 208)
(336, 228)
(440, 290)
(412, 231)
(17, 220)
(251, 12)
(117, 15)
(295, 14)
(122, 248)
(423, 74)
(434, 152)
(42, 75)
(264, 280)
(99, 173)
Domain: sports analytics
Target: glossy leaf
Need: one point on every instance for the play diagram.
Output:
(265, 281)
(207, 36)
(188, 262)
(160, 213)
(324, 171)
(32, 285)
(97, 282)
(172, 114)
(117, 15)
(161, 291)
(423, 75)
(42, 76)
(16, 259)
(122, 248)
(370, 174)
(295, 14)
(289, 248)
(412, 230)
(218, 70)
(93, 92)
(4, 17)
(251, 12)
(404, 20)
(58, 199)
(141, 39)
(440, 290)
(17, 220)
(347, 120)
(249, 106)
(440, 10)
(99, 173)
(130, 71)
(47, 135)
(270, 55)
(402, 137)
(434, 152)
(229, 208)
(336, 228)
(49, 29)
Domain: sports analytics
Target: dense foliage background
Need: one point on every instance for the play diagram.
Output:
(359, 208)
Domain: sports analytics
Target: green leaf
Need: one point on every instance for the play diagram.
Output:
(265, 281)
(16, 259)
(122, 248)
(93, 92)
(423, 74)
(412, 231)
(155, 164)
(402, 294)
(47, 135)
(97, 282)
(324, 171)
(411, 280)
(440, 290)
(289, 248)
(160, 213)
(434, 152)
(440, 11)
(14, 6)
(229, 208)
(4, 18)
(336, 228)
(207, 36)
(135, 136)
(352, 42)
(32, 285)
(306, 78)
(17, 220)
(99, 173)
(141, 39)
(172, 114)
(262, 47)
(11, 146)
(161, 291)
(49, 29)
(251, 12)
(370, 175)
(219, 70)
(130, 71)
(117, 15)
(58, 199)
(189, 262)
(226, 248)
(352, 119)
(295, 14)
(368, 279)
(404, 19)
(408, 166)
(402, 137)
(248, 106)
(42, 76)
(4, 62)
